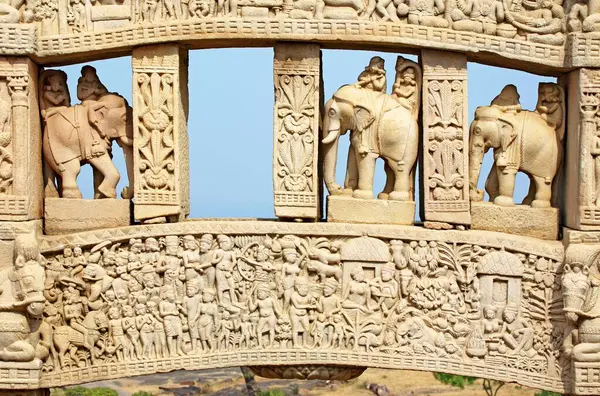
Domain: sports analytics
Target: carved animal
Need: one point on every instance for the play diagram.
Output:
(67, 339)
(394, 137)
(533, 147)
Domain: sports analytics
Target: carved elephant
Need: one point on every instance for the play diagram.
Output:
(394, 136)
(529, 144)
(83, 134)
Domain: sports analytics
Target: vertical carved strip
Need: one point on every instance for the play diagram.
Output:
(581, 203)
(296, 179)
(20, 141)
(161, 154)
(444, 162)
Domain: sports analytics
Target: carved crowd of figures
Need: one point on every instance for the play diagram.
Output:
(194, 295)
(543, 21)
(83, 134)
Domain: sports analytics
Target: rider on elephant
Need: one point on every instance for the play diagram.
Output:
(372, 78)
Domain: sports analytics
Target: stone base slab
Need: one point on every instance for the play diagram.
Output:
(541, 223)
(20, 375)
(343, 209)
(64, 215)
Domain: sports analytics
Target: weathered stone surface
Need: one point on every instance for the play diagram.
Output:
(343, 209)
(539, 223)
(63, 216)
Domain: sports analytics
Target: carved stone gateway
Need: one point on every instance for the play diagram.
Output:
(123, 284)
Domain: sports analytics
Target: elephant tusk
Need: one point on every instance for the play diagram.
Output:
(331, 136)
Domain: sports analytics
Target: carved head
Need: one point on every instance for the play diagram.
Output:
(113, 313)
(206, 242)
(189, 242)
(358, 274)
(151, 245)
(489, 312)
(208, 295)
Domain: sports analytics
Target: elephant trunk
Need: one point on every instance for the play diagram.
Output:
(476, 158)
(332, 127)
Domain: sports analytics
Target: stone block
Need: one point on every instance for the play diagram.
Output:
(539, 223)
(342, 209)
(64, 216)
(20, 375)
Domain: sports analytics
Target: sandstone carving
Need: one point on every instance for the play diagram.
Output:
(527, 141)
(82, 133)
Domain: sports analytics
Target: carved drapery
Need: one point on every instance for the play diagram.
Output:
(581, 204)
(298, 97)
(161, 154)
(20, 141)
(444, 160)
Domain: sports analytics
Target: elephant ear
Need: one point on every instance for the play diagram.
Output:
(507, 135)
(364, 118)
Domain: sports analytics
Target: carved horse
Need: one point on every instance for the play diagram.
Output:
(68, 340)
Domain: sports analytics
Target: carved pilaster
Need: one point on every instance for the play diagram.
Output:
(444, 161)
(581, 203)
(298, 97)
(161, 154)
(20, 141)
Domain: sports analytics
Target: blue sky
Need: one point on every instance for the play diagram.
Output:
(231, 121)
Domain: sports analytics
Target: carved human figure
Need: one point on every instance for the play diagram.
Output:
(479, 16)
(290, 269)
(539, 21)
(267, 311)
(385, 289)
(424, 13)
(516, 332)
(358, 293)
(584, 16)
(77, 16)
(208, 314)
(225, 328)
(191, 307)
(172, 322)
(131, 330)
(522, 141)
(301, 303)
(381, 125)
(330, 305)
(125, 349)
(10, 11)
(145, 325)
(160, 338)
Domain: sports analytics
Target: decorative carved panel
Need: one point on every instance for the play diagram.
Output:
(445, 139)
(161, 153)
(298, 100)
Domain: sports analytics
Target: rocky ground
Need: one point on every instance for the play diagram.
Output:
(230, 382)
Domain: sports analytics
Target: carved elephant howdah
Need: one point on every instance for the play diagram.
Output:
(83, 133)
(381, 126)
(523, 140)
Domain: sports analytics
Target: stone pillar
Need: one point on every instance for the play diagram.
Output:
(444, 161)
(20, 141)
(581, 203)
(298, 101)
(161, 152)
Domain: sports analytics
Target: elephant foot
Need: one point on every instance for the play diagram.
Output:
(503, 200)
(71, 193)
(383, 196)
(399, 196)
(127, 193)
(348, 192)
(363, 194)
(334, 189)
(539, 203)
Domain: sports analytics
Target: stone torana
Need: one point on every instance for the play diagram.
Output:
(343, 278)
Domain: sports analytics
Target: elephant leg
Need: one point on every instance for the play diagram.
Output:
(50, 190)
(366, 171)
(390, 179)
(108, 187)
(351, 181)
(402, 183)
(543, 193)
(531, 192)
(491, 184)
(69, 175)
(506, 187)
(127, 192)
(98, 178)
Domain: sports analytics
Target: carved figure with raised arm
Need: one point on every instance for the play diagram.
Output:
(381, 125)
(526, 141)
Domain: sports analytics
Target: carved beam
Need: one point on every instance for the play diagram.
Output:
(581, 203)
(298, 100)
(444, 161)
(161, 154)
(20, 141)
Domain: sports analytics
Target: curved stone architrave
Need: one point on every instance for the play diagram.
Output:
(552, 250)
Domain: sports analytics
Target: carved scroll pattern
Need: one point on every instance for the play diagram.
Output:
(445, 139)
(296, 123)
(202, 300)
